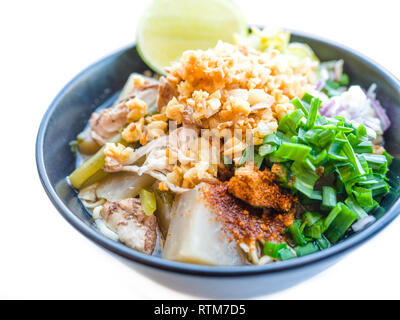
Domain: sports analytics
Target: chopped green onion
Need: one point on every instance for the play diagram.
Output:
(245, 157)
(315, 231)
(258, 160)
(379, 188)
(319, 137)
(364, 147)
(346, 172)
(362, 133)
(266, 149)
(304, 179)
(320, 157)
(305, 250)
(310, 218)
(287, 254)
(272, 249)
(293, 151)
(331, 88)
(389, 158)
(378, 163)
(348, 150)
(273, 139)
(332, 215)
(340, 224)
(344, 80)
(296, 234)
(329, 198)
(307, 98)
(308, 165)
(363, 196)
(323, 243)
(335, 150)
(290, 122)
(299, 105)
(356, 208)
(312, 116)
(316, 195)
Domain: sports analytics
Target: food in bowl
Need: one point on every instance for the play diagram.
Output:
(241, 154)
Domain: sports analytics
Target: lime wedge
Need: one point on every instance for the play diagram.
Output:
(301, 51)
(170, 27)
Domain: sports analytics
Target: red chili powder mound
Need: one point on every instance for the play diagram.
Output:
(242, 222)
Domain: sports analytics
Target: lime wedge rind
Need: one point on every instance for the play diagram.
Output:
(170, 27)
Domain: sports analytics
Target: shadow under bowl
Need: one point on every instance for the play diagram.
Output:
(98, 84)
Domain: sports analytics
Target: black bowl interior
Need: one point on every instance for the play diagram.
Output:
(99, 84)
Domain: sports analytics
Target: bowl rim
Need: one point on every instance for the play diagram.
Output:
(204, 270)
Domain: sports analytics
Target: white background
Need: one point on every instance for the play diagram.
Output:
(43, 44)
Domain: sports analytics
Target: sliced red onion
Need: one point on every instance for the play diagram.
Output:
(320, 84)
(363, 223)
(380, 112)
(326, 107)
(341, 108)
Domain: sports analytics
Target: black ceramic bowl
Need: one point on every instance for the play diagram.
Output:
(96, 85)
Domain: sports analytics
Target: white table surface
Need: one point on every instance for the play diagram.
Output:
(43, 45)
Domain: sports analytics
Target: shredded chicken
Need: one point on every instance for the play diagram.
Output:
(259, 189)
(166, 91)
(135, 229)
(108, 122)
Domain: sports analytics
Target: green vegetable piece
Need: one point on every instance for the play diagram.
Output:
(148, 202)
(364, 147)
(378, 163)
(293, 151)
(319, 158)
(287, 254)
(97, 177)
(307, 249)
(329, 197)
(245, 157)
(363, 196)
(290, 122)
(272, 139)
(340, 224)
(331, 88)
(356, 208)
(335, 150)
(379, 188)
(323, 243)
(310, 218)
(295, 233)
(312, 116)
(316, 195)
(389, 158)
(312, 226)
(353, 159)
(319, 137)
(258, 160)
(304, 180)
(332, 215)
(272, 249)
(346, 172)
(362, 133)
(307, 98)
(92, 165)
(266, 149)
(299, 105)
(344, 80)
